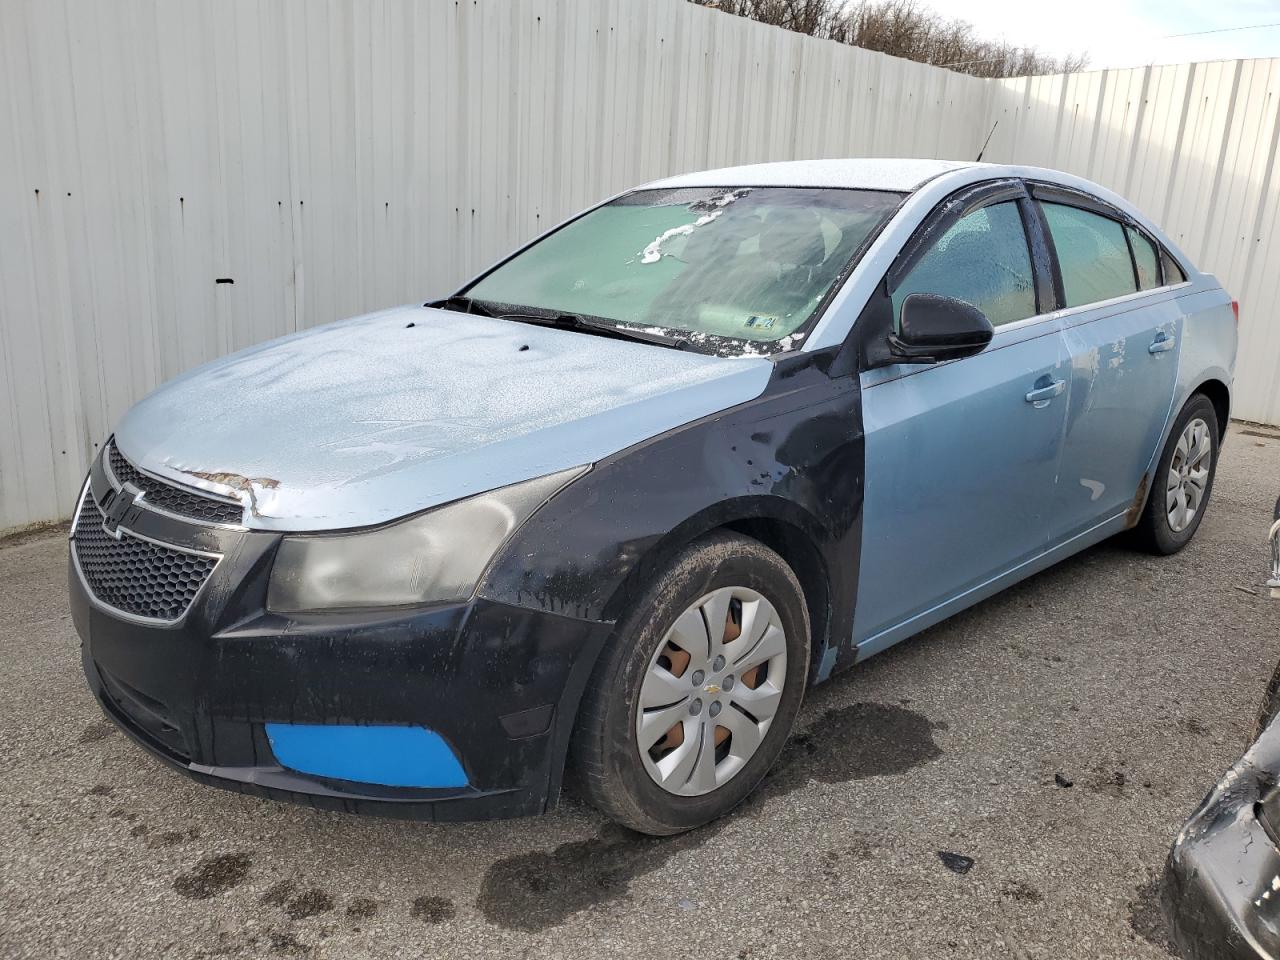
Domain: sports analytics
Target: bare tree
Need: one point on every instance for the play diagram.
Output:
(901, 28)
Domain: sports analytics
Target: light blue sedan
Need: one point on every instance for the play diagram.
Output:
(617, 502)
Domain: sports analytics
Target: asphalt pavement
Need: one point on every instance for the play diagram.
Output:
(1006, 784)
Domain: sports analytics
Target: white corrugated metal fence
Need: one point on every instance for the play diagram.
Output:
(325, 159)
(1194, 146)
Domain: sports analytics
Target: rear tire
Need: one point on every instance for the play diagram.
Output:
(666, 788)
(1182, 482)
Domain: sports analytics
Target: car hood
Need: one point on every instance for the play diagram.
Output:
(366, 420)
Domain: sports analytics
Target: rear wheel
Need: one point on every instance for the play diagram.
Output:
(693, 700)
(1183, 480)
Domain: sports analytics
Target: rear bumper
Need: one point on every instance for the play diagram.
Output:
(1221, 892)
(498, 684)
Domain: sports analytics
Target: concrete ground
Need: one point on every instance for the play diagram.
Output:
(1134, 678)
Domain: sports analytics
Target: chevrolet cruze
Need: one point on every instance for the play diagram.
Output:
(610, 508)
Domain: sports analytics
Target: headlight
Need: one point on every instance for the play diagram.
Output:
(436, 556)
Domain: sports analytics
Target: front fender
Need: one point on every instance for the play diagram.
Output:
(793, 456)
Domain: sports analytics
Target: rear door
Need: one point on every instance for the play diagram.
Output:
(1123, 327)
(961, 457)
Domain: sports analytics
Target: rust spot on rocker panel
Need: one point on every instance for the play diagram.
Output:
(1132, 515)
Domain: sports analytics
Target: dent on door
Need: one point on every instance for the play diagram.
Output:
(1124, 368)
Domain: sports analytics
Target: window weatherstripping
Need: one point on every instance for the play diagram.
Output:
(1071, 197)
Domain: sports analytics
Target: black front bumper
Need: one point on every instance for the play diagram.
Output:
(500, 684)
(1222, 882)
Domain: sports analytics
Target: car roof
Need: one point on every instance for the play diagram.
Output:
(865, 173)
(899, 174)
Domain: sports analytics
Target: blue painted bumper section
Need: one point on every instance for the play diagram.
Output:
(390, 756)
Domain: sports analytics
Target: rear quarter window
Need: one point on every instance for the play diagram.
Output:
(1092, 254)
(1172, 272)
(1145, 259)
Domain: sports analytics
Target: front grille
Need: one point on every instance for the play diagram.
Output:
(134, 575)
(186, 503)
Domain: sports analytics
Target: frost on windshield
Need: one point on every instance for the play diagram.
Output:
(713, 207)
(709, 268)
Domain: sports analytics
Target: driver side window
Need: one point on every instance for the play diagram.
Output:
(982, 259)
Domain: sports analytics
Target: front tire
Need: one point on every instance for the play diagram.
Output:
(1183, 480)
(693, 699)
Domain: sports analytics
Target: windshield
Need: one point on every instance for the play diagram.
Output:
(728, 270)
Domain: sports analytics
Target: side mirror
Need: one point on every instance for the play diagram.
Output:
(936, 328)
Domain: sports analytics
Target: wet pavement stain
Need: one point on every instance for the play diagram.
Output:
(536, 890)
(1020, 892)
(171, 838)
(433, 909)
(856, 742)
(286, 944)
(858, 849)
(1193, 726)
(362, 908)
(309, 904)
(277, 894)
(212, 876)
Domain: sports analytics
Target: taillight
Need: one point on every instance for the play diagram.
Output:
(1235, 309)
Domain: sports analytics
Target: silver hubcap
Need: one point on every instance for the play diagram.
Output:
(1188, 475)
(711, 691)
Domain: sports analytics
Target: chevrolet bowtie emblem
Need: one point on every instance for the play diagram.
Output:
(711, 689)
(117, 508)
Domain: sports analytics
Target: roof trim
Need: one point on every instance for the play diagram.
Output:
(865, 173)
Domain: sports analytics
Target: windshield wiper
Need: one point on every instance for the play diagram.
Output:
(561, 321)
(461, 304)
(601, 328)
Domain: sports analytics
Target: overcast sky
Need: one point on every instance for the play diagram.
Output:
(1127, 33)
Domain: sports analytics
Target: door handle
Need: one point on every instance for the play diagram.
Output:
(1041, 395)
(1161, 343)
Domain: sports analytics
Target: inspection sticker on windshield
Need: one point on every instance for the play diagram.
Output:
(760, 323)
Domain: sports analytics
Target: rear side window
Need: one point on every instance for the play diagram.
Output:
(1145, 259)
(1092, 254)
(981, 259)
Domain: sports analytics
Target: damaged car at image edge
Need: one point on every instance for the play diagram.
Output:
(1221, 887)
(607, 511)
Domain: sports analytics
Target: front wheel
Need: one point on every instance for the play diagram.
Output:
(1183, 480)
(693, 699)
